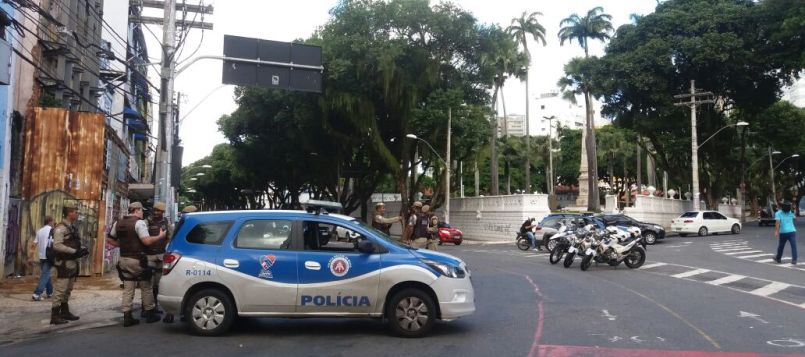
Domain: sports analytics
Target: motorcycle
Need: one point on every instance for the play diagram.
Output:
(577, 244)
(523, 243)
(616, 246)
(588, 246)
(559, 243)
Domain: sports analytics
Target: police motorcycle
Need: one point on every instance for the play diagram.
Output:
(560, 242)
(583, 238)
(618, 245)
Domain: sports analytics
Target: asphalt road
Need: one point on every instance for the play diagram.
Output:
(695, 296)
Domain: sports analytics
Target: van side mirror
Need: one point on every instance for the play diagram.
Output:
(366, 246)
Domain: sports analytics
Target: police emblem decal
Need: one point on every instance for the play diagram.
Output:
(339, 265)
(266, 262)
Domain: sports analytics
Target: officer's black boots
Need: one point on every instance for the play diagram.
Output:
(65, 313)
(151, 316)
(55, 316)
(128, 320)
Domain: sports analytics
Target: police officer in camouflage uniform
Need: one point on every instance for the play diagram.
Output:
(156, 223)
(67, 248)
(130, 233)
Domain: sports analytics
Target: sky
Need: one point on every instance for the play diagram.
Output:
(204, 99)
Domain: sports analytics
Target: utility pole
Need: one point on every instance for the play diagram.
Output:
(551, 185)
(447, 168)
(743, 176)
(163, 190)
(694, 146)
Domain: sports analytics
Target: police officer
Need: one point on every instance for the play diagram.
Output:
(380, 222)
(156, 223)
(130, 233)
(421, 221)
(67, 248)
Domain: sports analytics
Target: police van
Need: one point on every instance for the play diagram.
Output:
(221, 265)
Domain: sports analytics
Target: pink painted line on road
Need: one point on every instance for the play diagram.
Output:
(540, 319)
(568, 351)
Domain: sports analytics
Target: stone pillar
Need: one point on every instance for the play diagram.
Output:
(584, 190)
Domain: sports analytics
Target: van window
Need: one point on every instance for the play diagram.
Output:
(264, 234)
(211, 233)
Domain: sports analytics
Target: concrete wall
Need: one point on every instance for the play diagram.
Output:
(657, 210)
(486, 218)
(733, 211)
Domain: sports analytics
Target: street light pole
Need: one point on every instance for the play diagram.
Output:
(771, 173)
(551, 185)
(694, 147)
(447, 170)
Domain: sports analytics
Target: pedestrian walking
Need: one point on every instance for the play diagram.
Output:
(42, 241)
(130, 233)
(380, 222)
(156, 223)
(785, 231)
(67, 250)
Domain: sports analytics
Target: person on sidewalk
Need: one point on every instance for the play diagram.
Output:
(130, 233)
(43, 238)
(67, 248)
(433, 228)
(785, 231)
(408, 235)
(421, 234)
(156, 222)
(380, 222)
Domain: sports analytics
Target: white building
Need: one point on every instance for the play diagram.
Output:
(512, 125)
(567, 114)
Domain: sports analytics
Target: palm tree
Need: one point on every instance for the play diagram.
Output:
(595, 25)
(520, 28)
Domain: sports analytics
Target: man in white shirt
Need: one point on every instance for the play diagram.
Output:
(41, 243)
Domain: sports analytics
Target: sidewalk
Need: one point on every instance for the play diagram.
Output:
(95, 300)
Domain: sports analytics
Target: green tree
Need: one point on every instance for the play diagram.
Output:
(520, 28)
(596, 25)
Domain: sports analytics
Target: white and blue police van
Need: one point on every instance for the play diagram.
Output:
(221, 265)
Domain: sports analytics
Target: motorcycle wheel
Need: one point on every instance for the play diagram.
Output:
(636, 258)
(556, 254)
(550, 244)
(586, 262)
(523, 243)
(569, 259)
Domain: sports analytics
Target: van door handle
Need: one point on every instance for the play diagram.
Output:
(231, 263)
(311, 265)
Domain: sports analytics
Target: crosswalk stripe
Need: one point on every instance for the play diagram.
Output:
(732, 249)
(652, 265)
(726, 279)
(688, 274)
(754, 255)
(743, 252)
(770, 289)
(764, 260)
(726, 244)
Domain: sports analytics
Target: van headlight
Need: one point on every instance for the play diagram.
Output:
(448, 270)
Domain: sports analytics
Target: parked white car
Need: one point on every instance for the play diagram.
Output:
(704, 223)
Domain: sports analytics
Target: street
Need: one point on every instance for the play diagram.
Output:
(716, 294)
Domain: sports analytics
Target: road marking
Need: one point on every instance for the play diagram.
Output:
(754, 256)
(787, 342)
(772, 288)
(688, 274)
(731, 249)
(652, 265)
(728, 245)
(726, 279)
(752, 316)
(609, 316)
(764, 261)
(743, 252)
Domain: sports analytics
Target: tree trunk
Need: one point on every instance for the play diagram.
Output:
(493, 159)
(527, 140)
(508, 172)
(639, 168)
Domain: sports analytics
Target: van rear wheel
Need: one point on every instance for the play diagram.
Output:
(210, 312)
